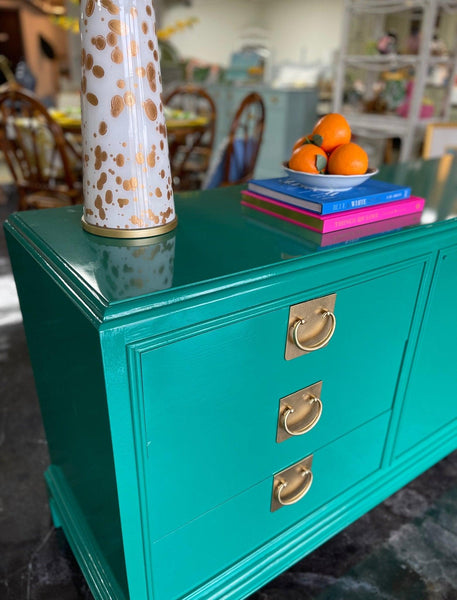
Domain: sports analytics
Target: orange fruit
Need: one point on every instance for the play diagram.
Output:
(348, 159)
(334, 131)
(302, 140)
(308, 158)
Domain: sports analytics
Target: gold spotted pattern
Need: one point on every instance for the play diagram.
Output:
(89, 61)
(129, 99)
(117, 27)
(150, 109)
(99, 42)
(151, 158)
(112, 8)
(117, 105)
(98, 71)
(153, 217)
(101, 181)
(90, 7)
(133, 48)
(100, 157)
(151, 76)
(130, 184)
(99, 204)
(166, 214)
(127, 180)
(92, 99)
(135, 220)
(117, 55)
(111, 39)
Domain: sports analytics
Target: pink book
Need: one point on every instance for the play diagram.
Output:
(334, 221)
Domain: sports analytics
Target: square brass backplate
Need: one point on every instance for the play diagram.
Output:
(304, 412)
(313, 327)
(293, 478)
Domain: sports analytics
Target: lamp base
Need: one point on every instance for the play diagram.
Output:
(128, 233)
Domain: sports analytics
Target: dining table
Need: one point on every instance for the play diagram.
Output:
(183, 128)
(179, 124)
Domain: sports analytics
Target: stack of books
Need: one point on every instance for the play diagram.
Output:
(330, 217)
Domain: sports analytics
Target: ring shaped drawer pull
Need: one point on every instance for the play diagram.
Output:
(316, 415)
(326, 314)
(308, 480)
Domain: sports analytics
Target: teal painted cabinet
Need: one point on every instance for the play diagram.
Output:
(202, 439)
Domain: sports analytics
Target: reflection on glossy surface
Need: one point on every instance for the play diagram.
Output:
(232, 244)
(435, 180)
(126, 268)
(317, 240)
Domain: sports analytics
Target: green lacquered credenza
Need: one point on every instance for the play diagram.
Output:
(196, 451)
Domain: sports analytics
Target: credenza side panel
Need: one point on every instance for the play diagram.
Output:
(430, 403)
(65, 352)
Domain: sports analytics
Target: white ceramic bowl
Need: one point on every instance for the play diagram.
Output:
(328, 183)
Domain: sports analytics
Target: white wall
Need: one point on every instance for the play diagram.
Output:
(215, 36)
(298, 29)
(305, 30)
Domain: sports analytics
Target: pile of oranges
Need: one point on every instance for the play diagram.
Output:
(328, 149)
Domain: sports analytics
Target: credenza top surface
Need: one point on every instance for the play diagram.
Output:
(214, 245)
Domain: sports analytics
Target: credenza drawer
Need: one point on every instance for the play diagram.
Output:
(231, 531)
(210, 401)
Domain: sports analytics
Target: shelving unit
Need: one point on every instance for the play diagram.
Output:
(374, 16)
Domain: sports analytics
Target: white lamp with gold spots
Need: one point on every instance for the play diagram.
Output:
(126, 168)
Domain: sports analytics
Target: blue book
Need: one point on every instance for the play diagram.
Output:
(369, 193)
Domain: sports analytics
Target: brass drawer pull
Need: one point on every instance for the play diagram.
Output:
(325, 340)
(307, 476)
(316, 405)
(299, 412)
(310, 326)
(292, 484)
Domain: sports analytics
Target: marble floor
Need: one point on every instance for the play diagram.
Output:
(404, 549)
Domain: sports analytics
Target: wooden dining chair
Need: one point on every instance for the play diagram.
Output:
(191, 146)
(244, 141)
(36, 152)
